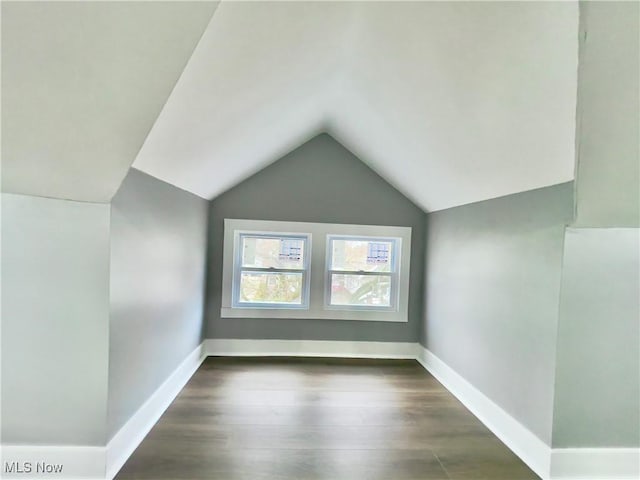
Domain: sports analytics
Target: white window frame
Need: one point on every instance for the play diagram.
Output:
(317, 308)
(396, 254)
(238, 269)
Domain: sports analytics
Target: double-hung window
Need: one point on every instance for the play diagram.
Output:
(271, 270)
(315, 271)
(362, 273)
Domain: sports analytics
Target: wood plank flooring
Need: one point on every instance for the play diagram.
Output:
(319, 419)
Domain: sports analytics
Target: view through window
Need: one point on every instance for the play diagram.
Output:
(362, 272)
(271, 270)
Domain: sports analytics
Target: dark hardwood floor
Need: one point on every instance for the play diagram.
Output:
(329, 419)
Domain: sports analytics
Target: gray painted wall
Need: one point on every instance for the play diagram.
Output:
(492, 294)
(608, 137)
(320, 181)
(158, 246)
(55, 321)
(598, 372)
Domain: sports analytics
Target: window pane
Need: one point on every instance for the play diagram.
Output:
(361, 255)
(361, 290)
(277, 288)
(270, 252)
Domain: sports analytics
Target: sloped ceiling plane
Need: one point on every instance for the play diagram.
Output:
(451, 102)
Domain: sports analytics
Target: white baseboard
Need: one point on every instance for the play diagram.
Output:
(91, 463)
(595, 463)
(46, 462)
(533, 451)
(123, 443)
(549, 464)
(309, 348)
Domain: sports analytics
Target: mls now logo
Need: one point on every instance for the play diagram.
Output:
(30, 467)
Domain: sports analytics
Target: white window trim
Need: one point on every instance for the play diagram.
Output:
(317, 308)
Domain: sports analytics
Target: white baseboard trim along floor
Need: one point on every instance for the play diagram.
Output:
(309, 348)
(123, 443)
(533, 451)
(595, 463)
(104, 462)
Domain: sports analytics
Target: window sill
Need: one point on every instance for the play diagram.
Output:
(296, 314)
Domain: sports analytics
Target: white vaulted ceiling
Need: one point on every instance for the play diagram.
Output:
(451, 102)
(260, 83)
(82, 84)
(457, 102)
